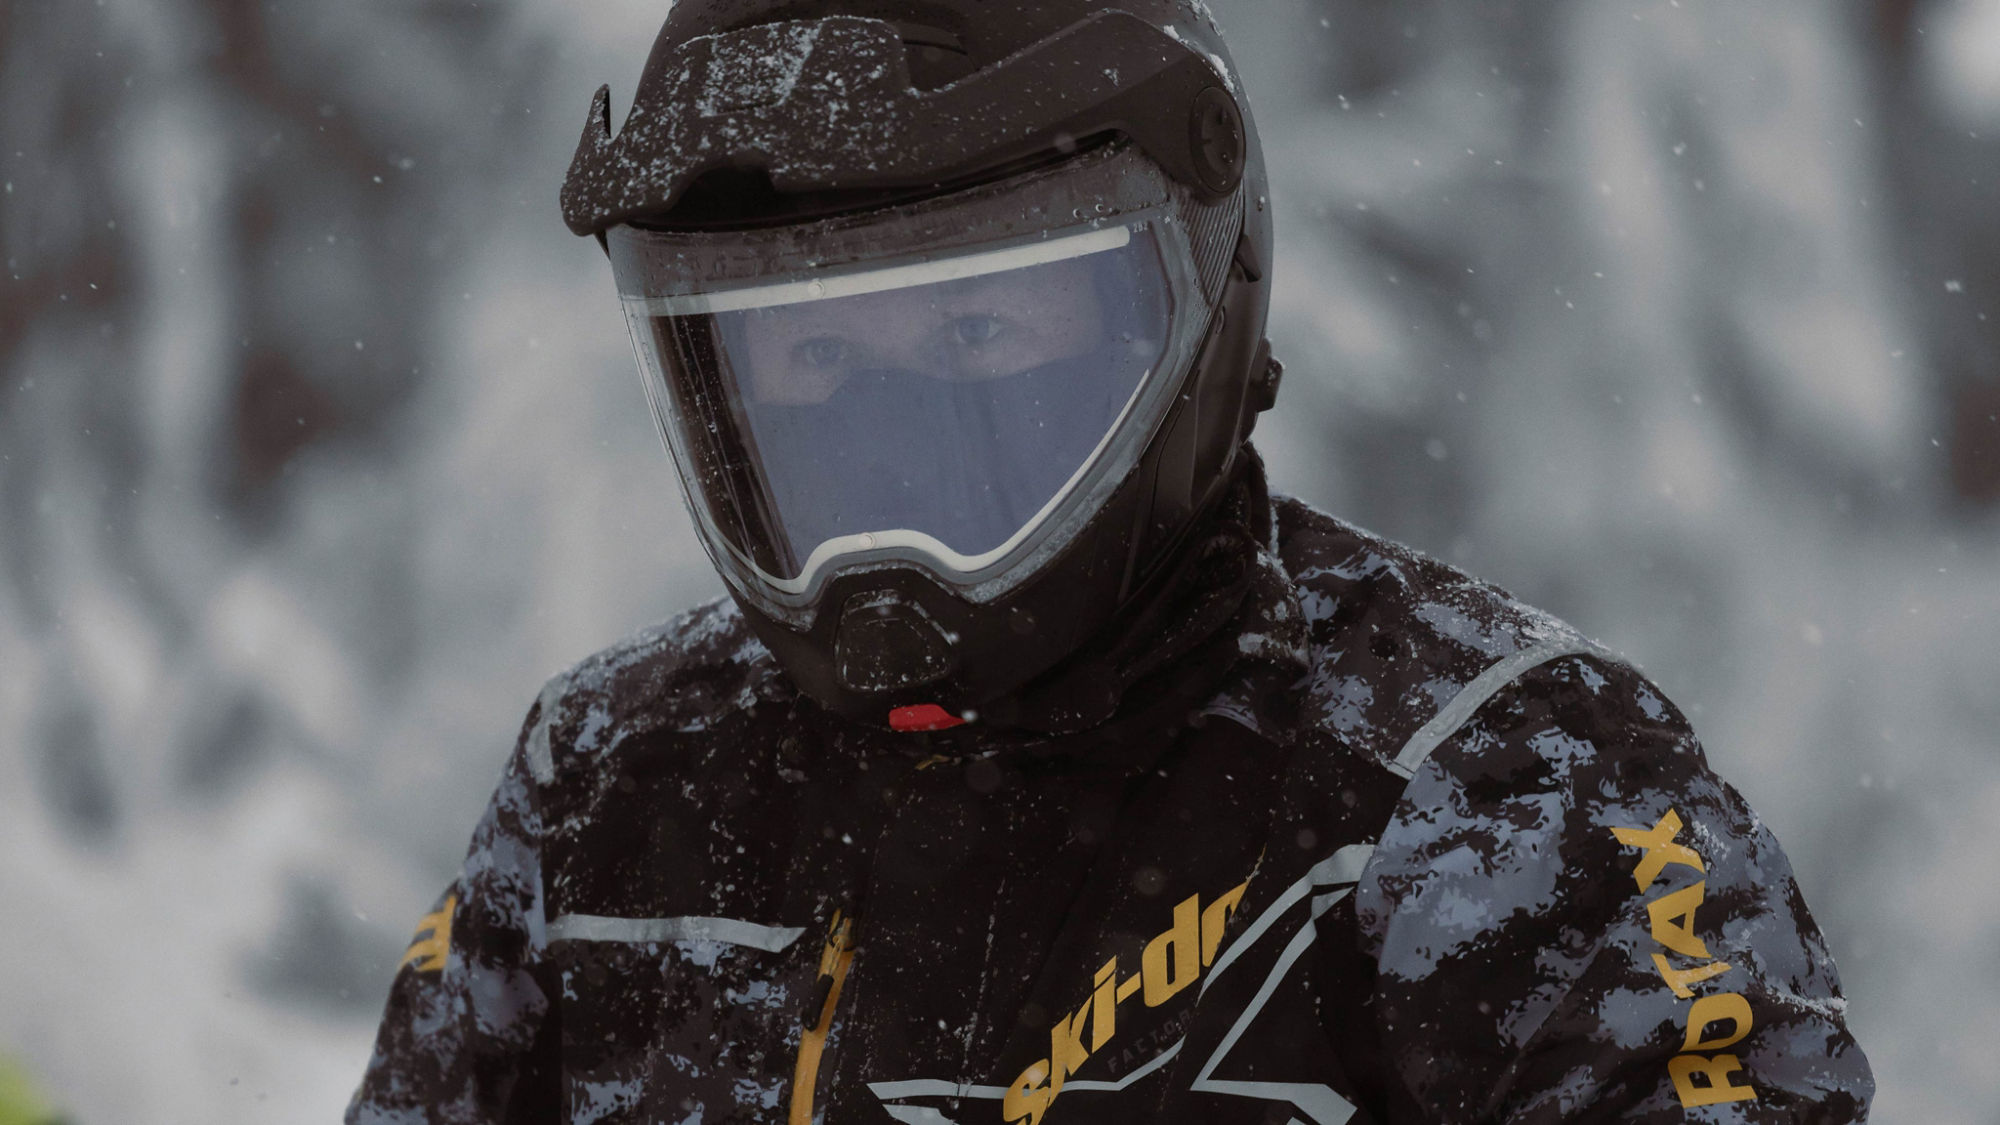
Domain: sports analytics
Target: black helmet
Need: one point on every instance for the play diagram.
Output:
(951, 313)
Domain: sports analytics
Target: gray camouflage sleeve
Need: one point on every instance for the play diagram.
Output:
(466, 1035)
(1573, 919)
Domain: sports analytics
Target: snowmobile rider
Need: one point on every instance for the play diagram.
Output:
(1041, 766)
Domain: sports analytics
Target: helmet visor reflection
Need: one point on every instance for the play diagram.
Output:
(944, 406)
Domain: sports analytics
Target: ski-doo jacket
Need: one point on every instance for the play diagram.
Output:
(1425, 855)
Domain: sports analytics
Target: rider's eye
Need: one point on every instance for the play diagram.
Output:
(975, 330)
(823, 351)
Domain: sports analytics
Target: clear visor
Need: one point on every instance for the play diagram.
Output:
(943, 411)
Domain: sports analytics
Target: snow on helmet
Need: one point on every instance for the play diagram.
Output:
(951, 314)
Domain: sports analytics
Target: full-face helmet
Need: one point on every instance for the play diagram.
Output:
(951, 314)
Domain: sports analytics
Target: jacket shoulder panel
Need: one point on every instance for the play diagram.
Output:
(1530, 870)
(1395, 637)
(686, 674)
(1573, 876)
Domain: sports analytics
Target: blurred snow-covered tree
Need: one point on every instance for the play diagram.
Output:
(1941, 65)
(235, 233)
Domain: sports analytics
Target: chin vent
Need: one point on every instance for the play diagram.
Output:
(887, 644)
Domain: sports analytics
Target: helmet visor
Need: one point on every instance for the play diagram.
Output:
(940, 410)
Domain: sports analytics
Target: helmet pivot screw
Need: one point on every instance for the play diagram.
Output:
(1216, 138)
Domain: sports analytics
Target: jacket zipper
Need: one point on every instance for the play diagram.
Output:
(834, 960)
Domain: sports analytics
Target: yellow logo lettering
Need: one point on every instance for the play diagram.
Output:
(1673, 926)
(1172, 961)
(1660, 849)
(1673, 920)
(1027, 1099)
(1723, 1007)
(1679, 979)
(1066, 1051)
(1104, 1007)
(1169, 963)
(1215, 919)
(432, 946)
(1715, 1087)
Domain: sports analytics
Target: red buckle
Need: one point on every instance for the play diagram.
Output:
(923, 716)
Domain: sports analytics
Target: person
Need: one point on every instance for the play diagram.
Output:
(1041, 766)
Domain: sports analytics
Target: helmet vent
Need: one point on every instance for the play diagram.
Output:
(937, 57)
(917, 35)
(887, 643)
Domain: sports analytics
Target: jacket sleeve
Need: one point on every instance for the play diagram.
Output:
(469, 1036)
(1573, 919)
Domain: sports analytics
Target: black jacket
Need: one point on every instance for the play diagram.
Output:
(1422, 854)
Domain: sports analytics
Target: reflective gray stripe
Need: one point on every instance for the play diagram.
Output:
(541, 763)
(918, 1115)
(1343, 866)
(729, 931)
(1100, 1084)
(932, 1088)
(1320, 1102)
(1470, 698)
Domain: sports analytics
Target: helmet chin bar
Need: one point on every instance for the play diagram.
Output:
(901, 638)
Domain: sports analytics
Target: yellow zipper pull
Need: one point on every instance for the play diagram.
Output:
(834, 960)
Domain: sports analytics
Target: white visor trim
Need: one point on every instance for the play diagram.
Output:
(827, 288)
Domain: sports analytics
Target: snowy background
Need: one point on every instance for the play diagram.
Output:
(320, 448)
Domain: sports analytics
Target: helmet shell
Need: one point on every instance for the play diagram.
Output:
(833, 109)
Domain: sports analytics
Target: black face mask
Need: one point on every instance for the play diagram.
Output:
(968, 462)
